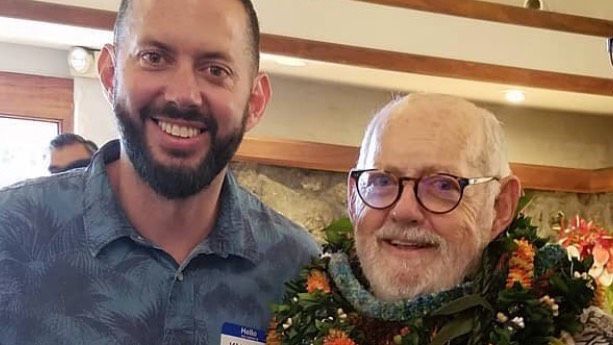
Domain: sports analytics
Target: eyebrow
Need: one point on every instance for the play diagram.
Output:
(432, 169)
(210, 55)
(157, 44)
(81, 163)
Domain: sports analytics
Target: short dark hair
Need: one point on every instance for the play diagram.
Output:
(254, 27)
(66, 139)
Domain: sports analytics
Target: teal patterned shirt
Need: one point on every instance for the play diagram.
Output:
(74, 271)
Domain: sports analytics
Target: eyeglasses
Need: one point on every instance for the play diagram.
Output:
(610, 49)
(437, 193)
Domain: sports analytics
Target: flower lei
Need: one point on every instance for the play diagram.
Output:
(526, 291)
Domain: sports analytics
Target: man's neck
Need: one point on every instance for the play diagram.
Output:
(177, 226)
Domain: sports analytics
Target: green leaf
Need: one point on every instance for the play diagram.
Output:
(525, 201)
(339, 234)
(461, 304)
(452, 330)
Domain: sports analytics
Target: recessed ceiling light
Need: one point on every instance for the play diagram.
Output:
(288, 61)
(514, 96)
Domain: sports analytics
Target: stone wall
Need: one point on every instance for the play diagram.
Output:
(545, 206)
(316, 198)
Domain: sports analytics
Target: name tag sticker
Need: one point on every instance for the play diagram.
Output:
(232, 334)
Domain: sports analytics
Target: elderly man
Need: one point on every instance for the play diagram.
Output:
(155, 243)
(430, 196)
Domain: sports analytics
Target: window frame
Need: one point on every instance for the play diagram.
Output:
(39, 98)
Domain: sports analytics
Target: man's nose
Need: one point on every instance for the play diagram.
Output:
(407, 209)
(184, 87)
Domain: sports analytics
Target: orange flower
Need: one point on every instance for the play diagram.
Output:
(317, 280)
(521, 265)
(600, 295)
(337, 337)
(273, 337)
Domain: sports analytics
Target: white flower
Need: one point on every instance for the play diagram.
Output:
(573, 252)
(501, 317)
(519, 322)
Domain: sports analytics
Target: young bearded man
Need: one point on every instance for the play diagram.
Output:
(155, 243)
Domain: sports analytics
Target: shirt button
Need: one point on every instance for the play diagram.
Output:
(180, 276)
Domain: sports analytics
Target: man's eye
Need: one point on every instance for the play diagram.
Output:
(380, 181)
(217, 71)
(443, 184)
(152, 58)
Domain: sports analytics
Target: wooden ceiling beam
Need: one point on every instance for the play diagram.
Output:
(339, 158)
(515, 15)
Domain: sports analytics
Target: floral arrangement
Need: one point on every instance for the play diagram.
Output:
(526, 291)
(583, 239)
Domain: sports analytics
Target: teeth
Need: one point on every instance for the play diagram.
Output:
(178, 131)
(410, 244)
(402, 243)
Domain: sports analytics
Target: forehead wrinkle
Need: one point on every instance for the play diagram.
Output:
(427, 118)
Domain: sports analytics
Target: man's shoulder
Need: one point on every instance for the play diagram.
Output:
(51, 197)
(68, 182)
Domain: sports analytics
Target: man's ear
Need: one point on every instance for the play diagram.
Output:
(505, 205)
(260, 95)
(106, 70)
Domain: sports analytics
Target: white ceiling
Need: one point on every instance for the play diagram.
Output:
(382, 27)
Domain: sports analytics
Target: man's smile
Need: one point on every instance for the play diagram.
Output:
(179, 130)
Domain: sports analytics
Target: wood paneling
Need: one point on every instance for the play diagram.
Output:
(37, 97)
(297, 154)
(602, 180)
(429, 65)
(553, 178)
(508, 14)
(338, 158)
(55, 13)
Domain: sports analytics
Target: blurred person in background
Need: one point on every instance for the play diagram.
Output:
(69, 151)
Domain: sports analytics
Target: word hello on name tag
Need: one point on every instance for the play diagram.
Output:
(232, 334)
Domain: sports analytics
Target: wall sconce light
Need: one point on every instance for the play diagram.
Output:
(515, 96)
(80, 60)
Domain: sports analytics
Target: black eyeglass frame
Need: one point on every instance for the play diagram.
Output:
(463, 182)
(610, 49)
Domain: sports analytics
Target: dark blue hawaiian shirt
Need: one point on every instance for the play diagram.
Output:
(74, 271)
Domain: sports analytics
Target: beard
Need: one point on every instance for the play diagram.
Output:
(176, 181)
(392, 278)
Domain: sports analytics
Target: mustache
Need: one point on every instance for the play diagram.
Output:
(173, 111)
(409, 233)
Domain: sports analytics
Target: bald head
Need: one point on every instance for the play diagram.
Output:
(464, 132)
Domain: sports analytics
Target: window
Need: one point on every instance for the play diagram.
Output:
(24, 148)
(33, 110)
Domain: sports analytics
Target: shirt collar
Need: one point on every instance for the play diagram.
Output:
(103, 217)
(105, 220)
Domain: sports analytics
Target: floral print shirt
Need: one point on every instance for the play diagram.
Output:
(73, 270)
